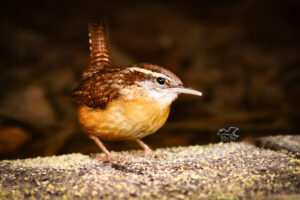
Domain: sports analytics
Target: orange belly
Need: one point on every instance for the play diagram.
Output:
(124, 119)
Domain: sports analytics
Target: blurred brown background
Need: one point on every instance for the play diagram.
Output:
(243, 55)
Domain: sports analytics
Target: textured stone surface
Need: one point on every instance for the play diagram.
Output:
(220, 171)
(290, 143)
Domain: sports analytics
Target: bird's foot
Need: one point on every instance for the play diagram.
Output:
(148, 154)
(104, 158)
(111, 159)
(147, 150)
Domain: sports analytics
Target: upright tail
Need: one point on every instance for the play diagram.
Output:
(99, 46)
(99, 42)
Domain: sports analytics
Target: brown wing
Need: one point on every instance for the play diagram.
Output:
(99, 46)
(98, 90)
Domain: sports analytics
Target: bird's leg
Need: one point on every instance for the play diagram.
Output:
(147, 151)
(109, 157)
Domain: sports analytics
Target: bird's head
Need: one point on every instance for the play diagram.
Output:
(158, 82)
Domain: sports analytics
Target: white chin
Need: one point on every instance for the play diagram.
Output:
(163, 96)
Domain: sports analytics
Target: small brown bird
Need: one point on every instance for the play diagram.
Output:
(123, 103)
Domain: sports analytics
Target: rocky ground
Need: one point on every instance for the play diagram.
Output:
(217, 171)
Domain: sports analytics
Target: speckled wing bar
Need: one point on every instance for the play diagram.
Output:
(98, 89)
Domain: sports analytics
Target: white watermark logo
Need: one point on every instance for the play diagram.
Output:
(228, 135)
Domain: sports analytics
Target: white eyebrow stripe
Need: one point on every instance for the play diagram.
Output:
(146, 71)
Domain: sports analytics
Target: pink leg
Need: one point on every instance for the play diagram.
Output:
(102, 147)
(147, 151)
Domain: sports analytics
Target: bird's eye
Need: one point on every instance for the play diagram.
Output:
(161, 80)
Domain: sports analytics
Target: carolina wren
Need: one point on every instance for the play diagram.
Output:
(123, 103)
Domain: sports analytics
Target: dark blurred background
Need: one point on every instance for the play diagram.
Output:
(243, 55)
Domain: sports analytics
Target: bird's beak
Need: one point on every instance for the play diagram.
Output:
(183, 90)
